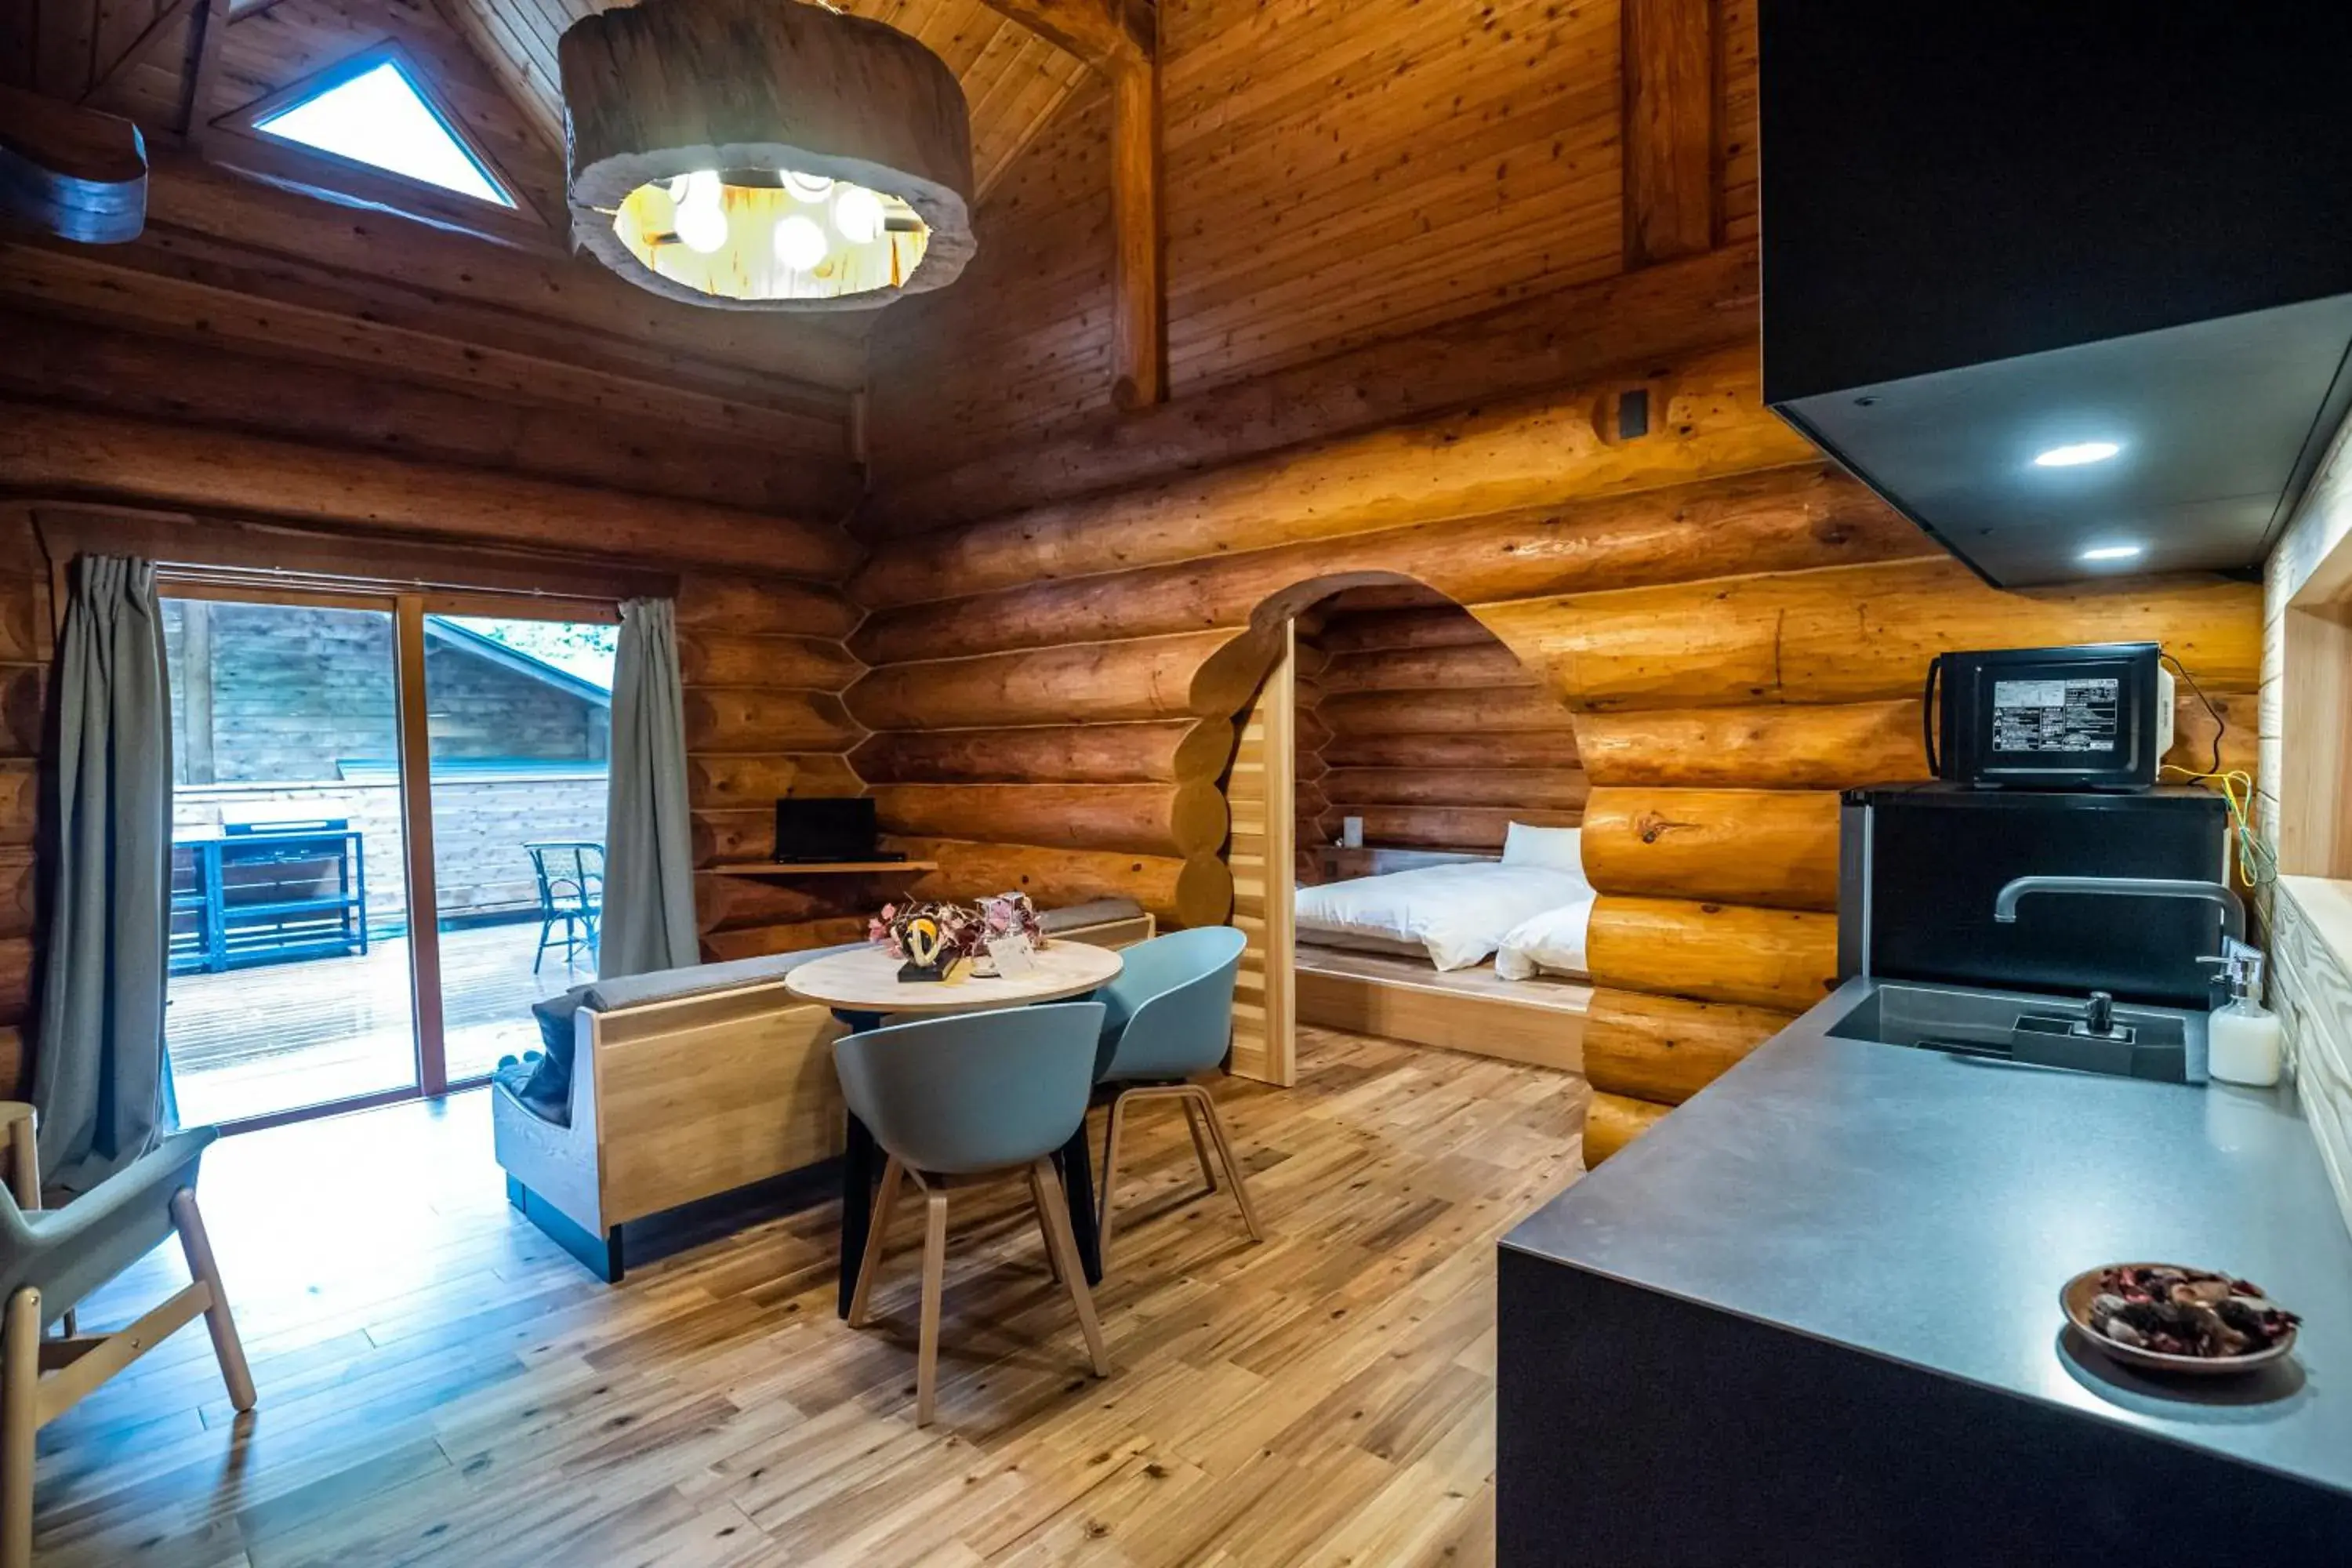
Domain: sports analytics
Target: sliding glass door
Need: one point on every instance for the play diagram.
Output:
(290, 909)
(520, 722)
(388, 826)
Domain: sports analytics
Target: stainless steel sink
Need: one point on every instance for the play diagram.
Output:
(2164, 1044)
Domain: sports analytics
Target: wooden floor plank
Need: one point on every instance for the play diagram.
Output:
(441, 1386)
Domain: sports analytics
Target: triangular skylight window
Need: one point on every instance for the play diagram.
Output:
(378, 118)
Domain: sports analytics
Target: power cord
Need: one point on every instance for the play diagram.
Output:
(2256, 860)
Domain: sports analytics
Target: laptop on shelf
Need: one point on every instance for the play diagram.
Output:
(821, 831)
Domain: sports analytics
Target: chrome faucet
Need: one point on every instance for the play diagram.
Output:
(2233, 911)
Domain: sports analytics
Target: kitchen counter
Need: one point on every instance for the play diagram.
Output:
(1858, 1248)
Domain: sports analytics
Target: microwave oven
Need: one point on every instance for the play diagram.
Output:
(2093, 717)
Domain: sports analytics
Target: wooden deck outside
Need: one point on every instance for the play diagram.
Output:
(254, 1041)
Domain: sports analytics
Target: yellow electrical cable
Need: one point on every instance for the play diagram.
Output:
(2255, 859)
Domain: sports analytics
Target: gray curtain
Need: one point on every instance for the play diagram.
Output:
(99, 1079)
(649, 922)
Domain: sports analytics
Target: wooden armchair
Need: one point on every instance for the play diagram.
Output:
(50, 1259)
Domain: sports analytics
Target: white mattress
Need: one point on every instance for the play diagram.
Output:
(1552, 943)
(1457, 913)
(1348, 942)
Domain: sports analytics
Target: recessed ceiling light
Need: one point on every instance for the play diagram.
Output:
(2076, 455)
(2112, 552)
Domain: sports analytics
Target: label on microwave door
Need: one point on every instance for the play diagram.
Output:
(2041, 716)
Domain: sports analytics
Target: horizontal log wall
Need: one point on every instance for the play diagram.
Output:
(1699, 666)
(1721, 629)
(27, 653)
(1069, 774)
(762, 664)
(1400, 676)
(308, 369)
(763, 667)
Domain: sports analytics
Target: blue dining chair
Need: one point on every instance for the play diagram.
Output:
(1167, 1016)
(973, 1095)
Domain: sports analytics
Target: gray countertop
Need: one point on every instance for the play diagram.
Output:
(1926, 1208)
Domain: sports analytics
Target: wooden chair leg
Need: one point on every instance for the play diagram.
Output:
(876, 1233)
(1106, 1208)
(222, 1324)
(24, 1155)
(1232, 1166)
(935, 1275)
(1055, 1209)
(1037, 1196)
(20, 1398)
(1199, 1143)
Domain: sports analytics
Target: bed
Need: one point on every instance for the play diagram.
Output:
(1457, 915)
(1551, 942)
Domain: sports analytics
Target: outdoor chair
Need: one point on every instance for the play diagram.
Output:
(570, 894)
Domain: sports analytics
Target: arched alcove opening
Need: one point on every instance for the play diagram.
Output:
(1385, 702)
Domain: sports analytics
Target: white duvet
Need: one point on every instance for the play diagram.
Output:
(1552, 943)
(1457, 913)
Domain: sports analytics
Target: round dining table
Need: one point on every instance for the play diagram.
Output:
(864, 991)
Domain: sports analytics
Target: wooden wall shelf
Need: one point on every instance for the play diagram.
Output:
(818, 867)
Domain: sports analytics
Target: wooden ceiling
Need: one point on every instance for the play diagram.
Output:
(493, 60)
(1013, 80)
(1333, 176)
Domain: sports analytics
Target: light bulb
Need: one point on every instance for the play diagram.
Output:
(799, 244)
(701, 189)
(656, 209)
(676, 186)
(2077, 454)
(857, 213)
(808, 187)
(702, 227)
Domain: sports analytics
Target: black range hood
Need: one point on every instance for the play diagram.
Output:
(2003, 238)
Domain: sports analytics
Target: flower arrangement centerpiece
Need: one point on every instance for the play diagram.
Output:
(930, 938)
(1010, 932)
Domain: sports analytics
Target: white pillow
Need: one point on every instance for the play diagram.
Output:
(1559, 848)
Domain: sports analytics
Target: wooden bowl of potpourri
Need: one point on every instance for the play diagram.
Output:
(2167, 1318)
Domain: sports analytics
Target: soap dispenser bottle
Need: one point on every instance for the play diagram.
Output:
(2241, 1037)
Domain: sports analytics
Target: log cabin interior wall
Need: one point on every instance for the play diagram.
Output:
(1432, 730)
(345, 370)
(1468, 304)
(1497, 338)
(762, 720)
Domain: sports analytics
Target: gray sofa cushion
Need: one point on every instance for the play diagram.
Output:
(1076, 917)
(544, 1088)
(669, 984)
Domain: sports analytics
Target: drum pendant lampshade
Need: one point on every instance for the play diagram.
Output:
(765, 155)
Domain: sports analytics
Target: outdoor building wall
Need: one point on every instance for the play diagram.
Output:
(293, 693)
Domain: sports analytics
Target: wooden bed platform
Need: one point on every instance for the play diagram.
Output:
(1539, 1022)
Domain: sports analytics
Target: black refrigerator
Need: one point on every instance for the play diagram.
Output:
(1921, 866)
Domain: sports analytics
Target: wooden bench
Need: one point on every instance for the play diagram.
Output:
(692, 1084)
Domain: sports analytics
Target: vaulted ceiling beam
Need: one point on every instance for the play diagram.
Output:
(1674, 176)
(1109, 35)
(1140, 284)
(165, 21)
(1120, 39)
